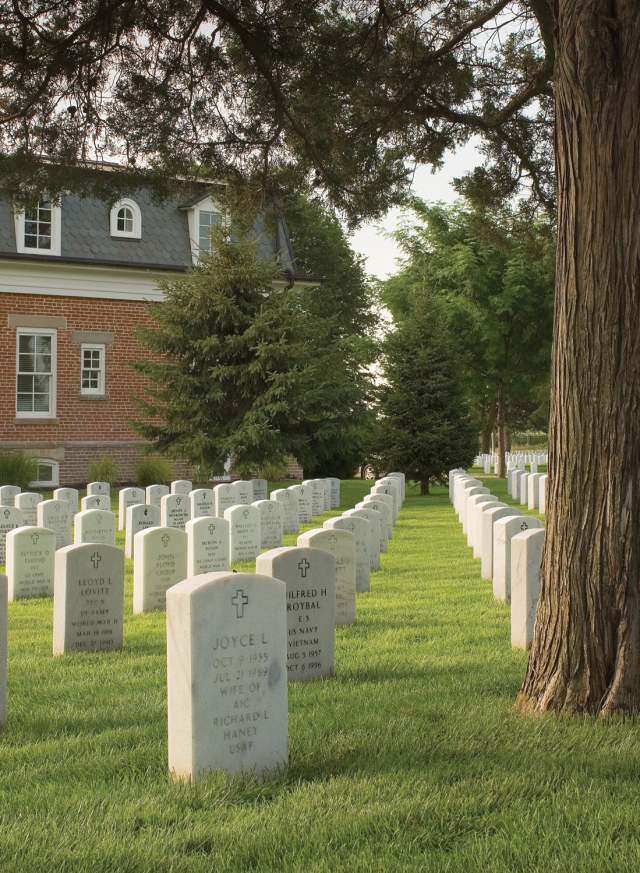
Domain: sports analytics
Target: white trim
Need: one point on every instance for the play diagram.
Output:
(207, 204)
(128, 203)
(56, 234)
(39, 331)
(46, 483)
(93, 347)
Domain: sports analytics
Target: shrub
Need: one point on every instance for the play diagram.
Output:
(153, 471)
(17, 468)
(102, 470)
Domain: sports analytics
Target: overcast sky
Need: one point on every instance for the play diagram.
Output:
(371, 240)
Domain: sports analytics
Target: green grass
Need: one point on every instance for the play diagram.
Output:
(410, 759)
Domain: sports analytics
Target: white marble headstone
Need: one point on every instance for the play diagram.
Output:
(201, 502)
(526, 560)
(71, 495)
(55, 515)
(289, 503)
(341, 544)
(181, 486)
(305, 502)
(174, 510)
(95, 501)
(334, 485)
(242, 491)
(27, 502)
(317, 495)
(159, 561)
(360, 529)
(103, 488)
(270, 523)
(386, 526)
(128, 497)
(260, 489)
(88, 599)
(226, 675)
(155, 493)
(504, 529)
(8, 493)
(310, 577)
(223, 498)
(30, 562)
(244, 532)
(140, 516)
(94, 526)
(374, 520)
(10, 519)
(207, 545)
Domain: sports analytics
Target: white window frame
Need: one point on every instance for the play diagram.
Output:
(94, 347)
(33, 331)
(136, 233)
(56, 233)
(55, 478)
(207, 204)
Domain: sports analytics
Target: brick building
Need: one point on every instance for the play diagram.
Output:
(74, 282)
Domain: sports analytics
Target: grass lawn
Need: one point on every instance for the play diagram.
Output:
(410, 759)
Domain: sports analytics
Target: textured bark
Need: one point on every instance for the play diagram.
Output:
(424, 488)
(586, 650)
(487, 430)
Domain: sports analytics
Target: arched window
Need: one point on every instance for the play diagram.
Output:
(126, 220)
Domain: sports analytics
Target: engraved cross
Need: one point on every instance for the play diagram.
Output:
(95, 560)
(239, 600)
(303, 566)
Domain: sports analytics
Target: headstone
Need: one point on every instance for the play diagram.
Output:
(174, 510)
(159, 561)
(472, 503)
(226, 674)
(523, 489)
(55, 515)
(260, 489)
(103, 488)
(223, 498)
(470, 492)
(181, 486)
(388, 489)
(503, 532)
(334, 484)
(477, 523)
(3, 649)
(207, 545)
(244, 532)
(270, 523)
(317, 495)
(94, 526)
(88, 598)
(127, 497)
(30, 562)
(70, 495)
(360, 528)
(386, 525)
(155, 493)
(10, 519)
(403, 483)
(305, 502)
(489, 518)
(533, 490)
(327, 494)
(526, 560)
(8, 493)
(201, 502)
(387, 499)
(396, 484)
(542, 494)
(242, 491)
(26, 502)
(341, 544)
(310, 577)
(374, 520)
(289, 504)
(95, 501)
(140, 516)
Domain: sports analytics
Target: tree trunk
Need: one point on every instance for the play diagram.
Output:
(424, 487)
(586, 649)
(487, 430)
(502, 447)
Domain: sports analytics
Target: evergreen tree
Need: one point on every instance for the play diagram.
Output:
(426, 427)
(227, 366)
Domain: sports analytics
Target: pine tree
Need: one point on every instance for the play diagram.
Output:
(426, 427)
(227, 361)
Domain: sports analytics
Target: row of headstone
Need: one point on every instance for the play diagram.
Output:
(529, 489)
(509, 546)
(488, 462)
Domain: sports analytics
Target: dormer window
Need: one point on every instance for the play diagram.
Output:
(204, 215)
(207, 220)
(126, 220)
(38, 229)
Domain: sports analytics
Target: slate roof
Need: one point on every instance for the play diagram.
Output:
(164, 243)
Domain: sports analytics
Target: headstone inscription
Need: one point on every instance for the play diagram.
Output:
(181, 486)
(226, 674)
(159, 561)
(289, 504)
(526, 559)
(387, 499)
(223, 498)
(10, 519)
(26, 502)
(359, 527)
(201, 502)
(94, 526)
(334, 485)
(72, 497)
(374, 520)
(30, 562)
(88, 599)
(3, 649)
(140, 516)
(388, 489)
(326, 485)
(305, 502)
(341, 544)
(260, 489)
(242, 491)
(503, 532)
(270, 523)
(103, 488)
(95, 501)
(8, 494)
(310, 577)
(244, 532)
(174, 510)
(155, 493)
(317, 495)
(128, 497)
(55, 515)
(207, 545)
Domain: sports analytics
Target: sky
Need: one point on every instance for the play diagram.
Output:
(371, 239)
